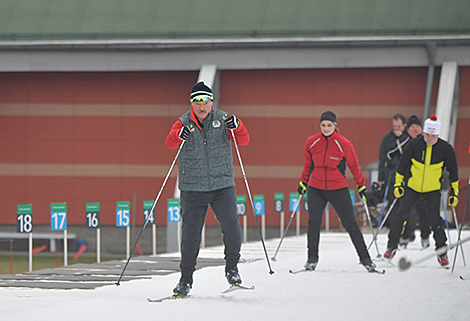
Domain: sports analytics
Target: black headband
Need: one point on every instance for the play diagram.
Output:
(329, 117)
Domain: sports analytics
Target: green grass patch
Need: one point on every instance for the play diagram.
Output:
(20, 262)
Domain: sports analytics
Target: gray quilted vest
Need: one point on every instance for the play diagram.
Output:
(205, 162)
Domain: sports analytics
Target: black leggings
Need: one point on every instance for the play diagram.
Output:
(341, 201)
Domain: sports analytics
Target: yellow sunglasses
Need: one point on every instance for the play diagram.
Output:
(200, 99)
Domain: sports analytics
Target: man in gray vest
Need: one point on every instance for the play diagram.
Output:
(206, 178)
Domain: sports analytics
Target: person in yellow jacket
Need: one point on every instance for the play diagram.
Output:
(423, 163)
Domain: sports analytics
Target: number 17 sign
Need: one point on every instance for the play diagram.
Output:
(58, 216)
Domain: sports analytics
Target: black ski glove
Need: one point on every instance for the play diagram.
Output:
(302, 188)
(231, 121)
(362, 190)
(185, 132)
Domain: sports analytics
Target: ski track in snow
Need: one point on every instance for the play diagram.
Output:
(340, 289)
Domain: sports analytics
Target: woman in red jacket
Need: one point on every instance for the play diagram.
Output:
(325, 158)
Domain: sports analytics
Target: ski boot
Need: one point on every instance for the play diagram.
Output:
(182, 289)
(404, 242)
(390, 254)
(443, 260)
(369, 265)
(425, 243)
(311, 264)
(232, 276)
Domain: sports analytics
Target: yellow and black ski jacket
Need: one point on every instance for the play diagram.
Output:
(424, 164)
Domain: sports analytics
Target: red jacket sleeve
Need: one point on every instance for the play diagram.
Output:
(307, 161)
(172, 139)
(241, 134)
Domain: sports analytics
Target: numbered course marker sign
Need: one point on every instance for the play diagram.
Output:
(173, 205)
(241, 205)
(278, 202)
(147, 207)
(92, 215)
(123, 214)
(24, 218)
(293, 199)
(58, 216)
(258, 202)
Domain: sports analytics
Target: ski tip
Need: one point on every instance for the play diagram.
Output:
(404, 264)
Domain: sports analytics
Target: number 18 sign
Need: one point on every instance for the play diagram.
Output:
(24, 218)
(58, 216)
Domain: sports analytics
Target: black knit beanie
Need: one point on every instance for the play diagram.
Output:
(413, 120)
(200, 89)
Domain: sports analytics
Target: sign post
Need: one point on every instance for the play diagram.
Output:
(59, 223)
(151, 220)
(93, 221)
(173, 225)
(279, 208)
(241, 211)
(258, 202)
(293, 198)
(24, 224)
(123, 219)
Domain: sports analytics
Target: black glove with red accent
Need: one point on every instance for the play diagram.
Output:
(231, 121)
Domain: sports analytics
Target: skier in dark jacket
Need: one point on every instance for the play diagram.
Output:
(422, 164)
(206, 178)
(390, 151)
(326, 155)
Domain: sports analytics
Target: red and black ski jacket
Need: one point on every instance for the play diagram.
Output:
(325, 160)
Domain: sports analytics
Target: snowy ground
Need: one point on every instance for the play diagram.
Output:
(340, 289)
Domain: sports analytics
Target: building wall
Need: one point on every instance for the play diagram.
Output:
(99, 137)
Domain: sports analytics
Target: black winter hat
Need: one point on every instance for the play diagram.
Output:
(200, 89)
(414, 120)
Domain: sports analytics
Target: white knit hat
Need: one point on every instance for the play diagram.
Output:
(432, 126)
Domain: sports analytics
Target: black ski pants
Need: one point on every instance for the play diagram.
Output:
(432, 204)
(341, 202)
(194, 206)
(417, 217)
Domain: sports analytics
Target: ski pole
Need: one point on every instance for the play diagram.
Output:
(288, 224)
(458, 230)
(251, 201)
(383, 205)
(383, 223)
(404, 264)
(463, 217)
(148, 216)
(445, 216)
(370, 224)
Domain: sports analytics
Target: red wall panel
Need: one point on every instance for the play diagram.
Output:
(277, 136)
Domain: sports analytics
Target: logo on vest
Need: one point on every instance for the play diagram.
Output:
(216, 124)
